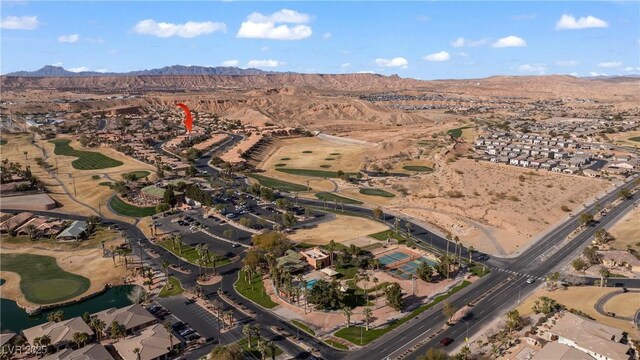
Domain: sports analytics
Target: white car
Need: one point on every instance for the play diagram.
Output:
(531, 280)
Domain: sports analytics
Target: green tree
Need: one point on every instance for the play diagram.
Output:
(230, 352)
(579, 265)
(513, 320)
(425, 272)
(169, 196)
(377, 213)
(56, 316)
(591, 254)
(162, 207)
(448, 310)
(625, 193)
(347, 312)
(435, 354)
(393, 293)
(367, 313)
(80, 338)
(586, 218)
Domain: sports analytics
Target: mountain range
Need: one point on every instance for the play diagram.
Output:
(57, 71)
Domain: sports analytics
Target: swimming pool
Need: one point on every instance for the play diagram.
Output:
(311, 282)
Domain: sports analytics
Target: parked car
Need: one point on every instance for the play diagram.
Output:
(531, 280)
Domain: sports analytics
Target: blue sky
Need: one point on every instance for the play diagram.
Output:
(426, 40)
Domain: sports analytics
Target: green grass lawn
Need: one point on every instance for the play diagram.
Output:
(335, 344)
(139, 174)
(376, 192)
(176, 288)
(190, 254)
(107, 183)
(253, 350)
(635, 138)
(479, 270)
(384, 235)
(278, 184)
(315, 173)
(42, 281)
(254, 290)
(457, 132)
(122, 208)
(352, 334)
(417, 168)
(304, 327)
(347, 272)
(333, 197)
(87, 160)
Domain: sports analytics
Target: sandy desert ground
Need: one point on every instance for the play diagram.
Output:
(584, 298)
(341, 229)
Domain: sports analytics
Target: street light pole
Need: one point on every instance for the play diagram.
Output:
(466, 339)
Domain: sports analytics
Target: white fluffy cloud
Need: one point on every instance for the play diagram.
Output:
(509, 41)
(566, 63)
(462, 42)
(274, 26)
(610, 64)
(631, 68)
(568, 22)
(533, 68)
(395, 62)
(230, 63)
(593, 73)
(78, 69)
(189, 29)
(19, 23)
(264, 63)
(345, 65)
(439, 56)
(73, 38)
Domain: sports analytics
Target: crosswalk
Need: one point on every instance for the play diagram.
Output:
(516, 273)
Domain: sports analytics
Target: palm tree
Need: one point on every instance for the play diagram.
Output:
(98, 326)
(26, 155)
(80, 338)
(167, 327)
(470, 250)
(448, 240)
(604, 273)
(229, 314)
(247, 331)
(44, 340)
(365, 278)
(367, 313)
(409, 226)
(347, 312)
(205, 251)
(256, 330)
(137, 352)
(165, 266)
(396, 224)
(331, 247)
(262, 348)
(31, 231)
(272, 349)
(375, 283)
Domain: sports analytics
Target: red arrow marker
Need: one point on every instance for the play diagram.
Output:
(188, 120)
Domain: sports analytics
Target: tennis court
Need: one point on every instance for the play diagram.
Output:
(392, 258)
(408, 269)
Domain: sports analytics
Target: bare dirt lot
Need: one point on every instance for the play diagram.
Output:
(343, 228)
(496, 208)
(583, 299)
